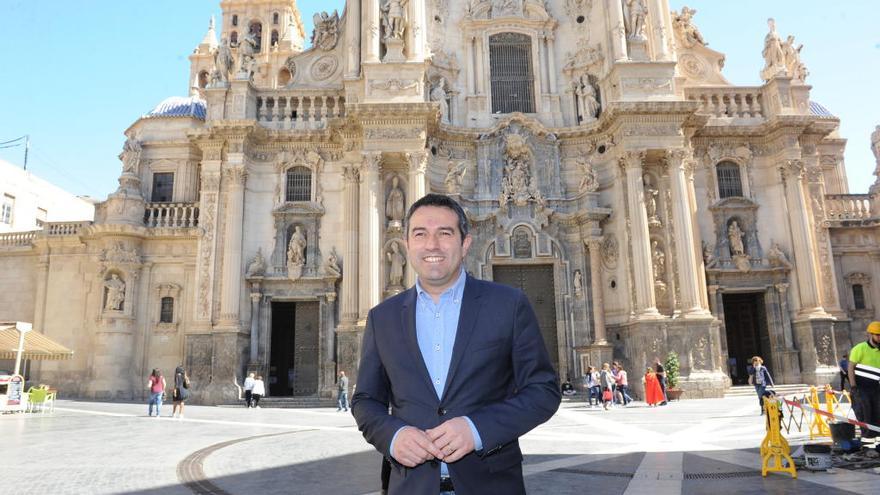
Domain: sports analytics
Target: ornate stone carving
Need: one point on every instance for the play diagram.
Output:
(507, 8)
(324, 67)
(331, 265)
(296, 257)
(114, 293)
(584, 57)
(610, 251)
(247, 48)
(774, 57)
(518, 185)
(793, 65)
(257, 266)
(686, 32)
(588, 102)
(394, 84)
(326, 33)
(455, 175)
(223, 63)
(776, 257)
(824, 353)
(395, 203)
(650, 195)
(701, 353)
(735, 238)
(590, 180)
(393, 19)
(636, 14)
(440, 96)
(131, 156)
(396, 262)
(579, 8)
(578, 283)
(290, 64)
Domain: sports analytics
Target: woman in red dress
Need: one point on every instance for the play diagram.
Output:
(653, 392)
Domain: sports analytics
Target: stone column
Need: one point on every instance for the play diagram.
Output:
(471, 66)
(353, 37)
(417, 186)
(659, 36)
(616, 29)
(230, 285)
(792, 172)
(327, 343)
(594, 244)
(209, 224)
(256, 296)
(551, 63)
(478, 79)
(417, 28)
(640, 238)
(370, 33)
(370, 233)
(349, 303)
(685, 246)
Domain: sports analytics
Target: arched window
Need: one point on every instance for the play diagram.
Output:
(729, 181)
(274, 38)
(858, 296)
(203, 79)
(235, 20)
(256, 29)
(299, 184)
(275, 18)
(166, 311)
(511, 74)
(233, 38)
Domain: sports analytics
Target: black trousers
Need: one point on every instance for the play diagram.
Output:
(248, 397)
(867, 408)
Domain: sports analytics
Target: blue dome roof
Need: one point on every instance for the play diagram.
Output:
(180, 106)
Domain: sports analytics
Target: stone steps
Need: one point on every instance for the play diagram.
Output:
(290, 402)
(749, 390)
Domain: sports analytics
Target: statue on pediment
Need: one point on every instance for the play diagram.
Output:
(326, 33)
(257, 265)
(687, 32)
(774, 57)
(507, 8)
(393, 19)
(637, 12)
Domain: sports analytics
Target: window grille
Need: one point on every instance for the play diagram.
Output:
(729, 181)
(163, 187)
(858, 296)
(299, 184)
(8, 206)
(166, 313)
(512, 78)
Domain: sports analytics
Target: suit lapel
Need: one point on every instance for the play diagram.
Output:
(408, 323)
(467, 318)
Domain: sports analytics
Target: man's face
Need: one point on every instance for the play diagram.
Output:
(875, 339)
(435, 248)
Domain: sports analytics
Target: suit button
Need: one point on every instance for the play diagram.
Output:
(441, 411)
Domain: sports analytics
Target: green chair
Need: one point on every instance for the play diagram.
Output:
(36, 399)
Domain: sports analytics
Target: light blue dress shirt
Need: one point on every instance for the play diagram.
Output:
(436, 326)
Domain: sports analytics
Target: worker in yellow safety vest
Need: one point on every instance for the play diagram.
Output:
(864, 378)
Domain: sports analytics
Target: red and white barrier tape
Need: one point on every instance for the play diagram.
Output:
(856, 422)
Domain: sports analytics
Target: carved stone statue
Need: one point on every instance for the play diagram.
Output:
(296, 248)
(686, 31)
(257, 266)
(394, 203)
(578, 282)
(587, 101)
(438, 94)
(223, 62)
(637, 11)
(247, 47)
(875, 143)
(590, 180)
(708, 256)
(455, 176)
(393, 19)
(774, 58)
(659, 260)
(735, 237)
(326, 33)
(505, 8)
(793, 65)
(395, 271)
(776, 257)
(651, 202)
(331, 266)
(115, 293)
(130, 156)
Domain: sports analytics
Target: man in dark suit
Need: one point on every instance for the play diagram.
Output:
(461, 363)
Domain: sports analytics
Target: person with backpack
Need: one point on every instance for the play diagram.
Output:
(181, 392)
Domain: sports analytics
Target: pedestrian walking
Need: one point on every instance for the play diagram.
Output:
(760, 377)
(342, 392)
(653, 392)
(622, 384)
(181, 392)
(258, 392)
(660, 371)
(863, 371)
(594, 391)
(156, 384)
(606, 381)
(844, 370)
(249, 390)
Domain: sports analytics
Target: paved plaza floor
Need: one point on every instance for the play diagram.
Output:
(693, 447)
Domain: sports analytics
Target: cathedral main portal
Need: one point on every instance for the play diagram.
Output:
(537, 282)
(745, 322)
(293, 361)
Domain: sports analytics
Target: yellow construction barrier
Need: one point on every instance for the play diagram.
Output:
(774, 447)
(819, 427)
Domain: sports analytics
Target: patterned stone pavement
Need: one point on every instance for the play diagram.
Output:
(698, 446)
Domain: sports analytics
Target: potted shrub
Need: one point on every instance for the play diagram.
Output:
(671, 366)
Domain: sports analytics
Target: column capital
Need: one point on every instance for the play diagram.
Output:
(351, 172)
(372, 161)
(792, 169)
(632, 159)
(418, 161)
(235, 175)
(256, 296)
(678, 157)
(781, 287)
(212, 149)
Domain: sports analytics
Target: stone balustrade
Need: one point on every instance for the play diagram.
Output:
(848, 206)
(56, 229)
(13, 239)
(173, 215)
(729, 101)
(299, 109)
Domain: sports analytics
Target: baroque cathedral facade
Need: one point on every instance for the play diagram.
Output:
(608, 169)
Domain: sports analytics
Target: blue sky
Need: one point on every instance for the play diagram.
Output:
(77, 74)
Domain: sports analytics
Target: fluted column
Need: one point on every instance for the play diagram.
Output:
(616, 29)
(370, 30)
(417, 28)
(349, 303)
(478, 77)
(594, 244)
(792, 172)
(639, 236)
(417, 186)
(551, 63)
(353, 37)
(255, 326)
(659, 34)
(370, 233)
(210, 226)
(685, 252)
(234, 177)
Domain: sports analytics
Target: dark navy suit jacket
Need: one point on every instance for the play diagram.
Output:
(500, 377)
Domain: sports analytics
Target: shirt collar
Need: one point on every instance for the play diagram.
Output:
(455, 290)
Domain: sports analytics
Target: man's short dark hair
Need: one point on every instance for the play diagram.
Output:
(442, 201)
